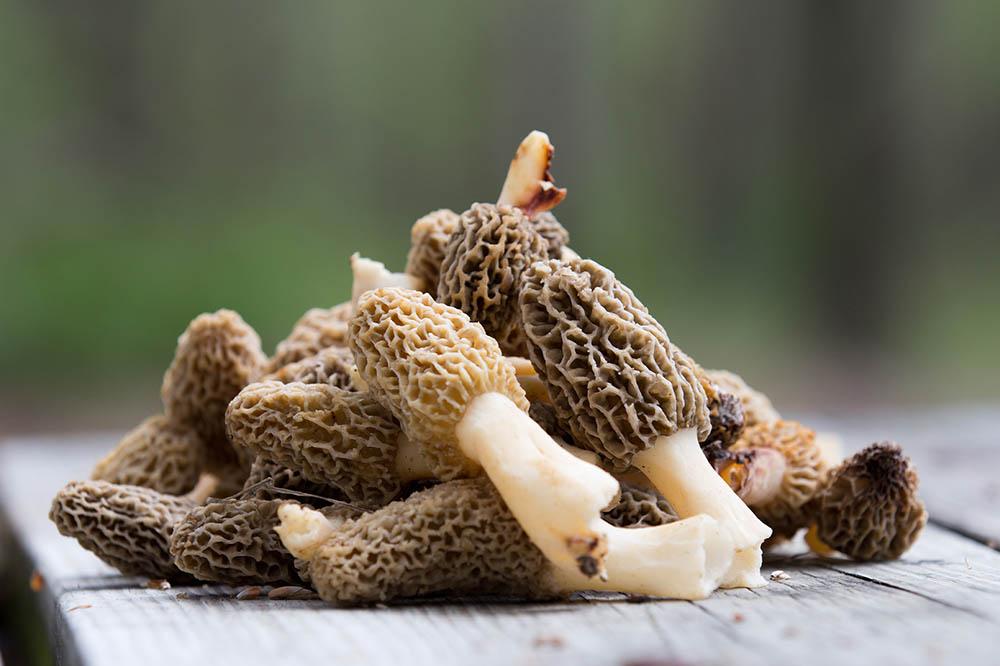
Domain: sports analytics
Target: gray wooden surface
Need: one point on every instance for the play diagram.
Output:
(939, 605)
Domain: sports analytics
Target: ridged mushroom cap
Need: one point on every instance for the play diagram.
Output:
(316, 330)
(426, 362)
(613, 374)
(127, 527)
(725, 413)
(639, 507)
(158, 454)
(269, 480)
(339, 438)
(428, 240)
(554, 233)
(330, 366)
(456, 537)
(805, 474)
(757, 407)
(216, 356)
(870, 509)
(482, 267)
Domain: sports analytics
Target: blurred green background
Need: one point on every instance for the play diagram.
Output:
(802, 192)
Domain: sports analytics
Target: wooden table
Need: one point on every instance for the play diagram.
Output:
(939, 605)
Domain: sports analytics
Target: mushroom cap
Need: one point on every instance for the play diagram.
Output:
(316, 330)
(757, 407)
(127, 527)
(330, 366)
(614, 376)
(544, 414)
(482, 268)
(426, 362)
(806, 472)
(870, 509)
(428, 239)
(725, 413)
(158, 454)
(639, 507)
(456, 537)
(554, 233)
(216, 356)
(331, 436)
(280, 478)
(233, 541)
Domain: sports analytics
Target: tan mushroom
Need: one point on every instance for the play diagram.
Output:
(757, 407)
(333, 366)
(370, 274)
(316, 330)
(428, 239)
(629, 394)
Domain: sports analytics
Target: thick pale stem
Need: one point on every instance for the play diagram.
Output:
(684, 560)
(831, 448)
(411, 465)
(680, 471)
(553, 495)
(529, 184)
(205, 488)
(758, 480)
(302, 530)
(533, 387)
(370, 274)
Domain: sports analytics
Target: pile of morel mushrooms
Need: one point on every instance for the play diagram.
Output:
(503, 418)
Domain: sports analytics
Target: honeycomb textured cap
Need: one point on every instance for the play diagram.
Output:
(805, 475)
(639, 507)
(482, 269)
(127, 527)
(330, 366)
(428, 239)
(233, 542)
(725, 413)
(613, 374)
(157, 454)
(339, 438)
(870, 509)
(216, 356)
(427, 361)
(456, 537)
(757, 407)
(316, 330)
(555, 234)
(544, 415)
(270, 480)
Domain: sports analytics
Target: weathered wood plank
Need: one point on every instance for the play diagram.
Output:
(935, 606)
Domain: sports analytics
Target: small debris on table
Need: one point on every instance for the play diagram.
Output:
(248, 593)
(157, 584)
(36, 582)
(291, 592)
(549, 641)
(80, 607)
(779, 576)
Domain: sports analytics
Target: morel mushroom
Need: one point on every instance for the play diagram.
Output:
(447, 384)
(428, 239)
(158, 454)
(332, 366)
(779, 469)
(870, 509)
(370, 274)
(316, 330)
(128, 527)
(629, 394)
(757, 407)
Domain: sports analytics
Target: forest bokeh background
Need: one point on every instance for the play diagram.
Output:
(806, 193)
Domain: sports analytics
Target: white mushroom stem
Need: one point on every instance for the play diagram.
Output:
(206, 486)
(679, 470)
(370, 274)
(557, 498)
(529, 184)
(302, 530)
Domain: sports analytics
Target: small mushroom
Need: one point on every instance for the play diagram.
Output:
(128, 527)
(870, 510)
(757, 407)
(333, 366)
(370, 274)
(779, 469)
(629, 394)
(482, 268)
(158, 454)
(428, 239)
(316, 330)
(640, 507)
(446, 383)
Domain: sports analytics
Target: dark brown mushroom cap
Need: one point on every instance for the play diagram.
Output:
(233, 541)
(481, 271)
(316, 330)
(330, 366)
(158, 454)
(339, 438)
(216, 356)
(554, 233)
(544, 415)
(613, 374)
(428, 240)
(870, 509)
(127, 527)
(426, 362)
(639, 507)
(725, 413)
(457, 537)
(269, 480)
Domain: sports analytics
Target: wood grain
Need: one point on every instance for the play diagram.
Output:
(938, 605)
